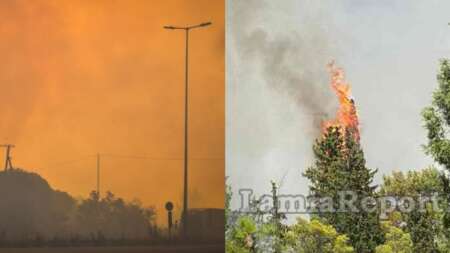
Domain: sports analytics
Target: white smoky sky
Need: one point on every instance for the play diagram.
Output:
(278, 86)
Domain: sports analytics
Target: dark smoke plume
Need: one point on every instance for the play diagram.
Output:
(293, 63)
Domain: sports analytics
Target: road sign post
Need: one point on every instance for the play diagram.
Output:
(169, 208)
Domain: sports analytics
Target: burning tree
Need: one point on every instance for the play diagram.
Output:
(346, 116)
(340, 167)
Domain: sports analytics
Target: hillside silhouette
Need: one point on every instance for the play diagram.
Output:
(30, 208)
(31, 211)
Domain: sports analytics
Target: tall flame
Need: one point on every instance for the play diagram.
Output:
(346, 116)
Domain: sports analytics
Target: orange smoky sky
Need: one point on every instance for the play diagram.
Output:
(81, 77)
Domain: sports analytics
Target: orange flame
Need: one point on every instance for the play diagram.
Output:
(346, 116)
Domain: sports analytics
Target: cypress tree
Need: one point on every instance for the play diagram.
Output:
(340, 167)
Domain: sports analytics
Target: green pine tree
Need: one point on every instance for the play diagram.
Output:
(422, 228)
(339, 167)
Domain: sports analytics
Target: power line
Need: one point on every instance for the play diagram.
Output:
(87, 157)
(140, 157)
(160, 158)
(136, 157)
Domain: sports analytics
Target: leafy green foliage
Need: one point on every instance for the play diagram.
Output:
(314, 236)
(397, 241)
(437, 123)
(240, 238)
(412, 183)
(247, 236)
(261, 231)
(437, 118)
(424, 227)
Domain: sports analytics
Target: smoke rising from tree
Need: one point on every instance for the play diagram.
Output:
(292, 62)
(277, 53)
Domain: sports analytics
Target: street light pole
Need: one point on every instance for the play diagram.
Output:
(98, 176)
(184, 216)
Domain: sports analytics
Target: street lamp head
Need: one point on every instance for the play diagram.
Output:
(205, 24)
(187, 27)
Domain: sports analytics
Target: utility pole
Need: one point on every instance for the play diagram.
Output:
(98, 175)
(8, 163)
(186, 114)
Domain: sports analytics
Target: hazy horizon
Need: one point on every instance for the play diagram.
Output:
(85, 77)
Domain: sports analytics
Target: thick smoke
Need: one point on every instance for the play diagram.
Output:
(278, 81)
(59, 58)
(293, 62)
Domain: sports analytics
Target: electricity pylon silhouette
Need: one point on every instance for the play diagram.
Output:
(8, 163)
